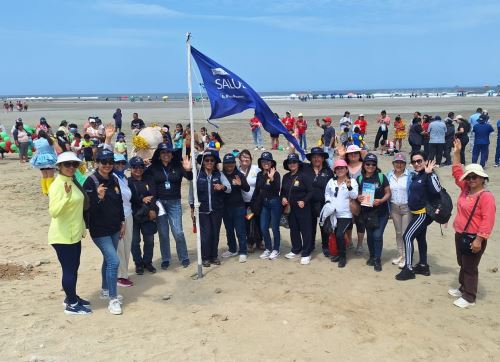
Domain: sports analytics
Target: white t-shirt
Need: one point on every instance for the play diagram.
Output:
(251, 179)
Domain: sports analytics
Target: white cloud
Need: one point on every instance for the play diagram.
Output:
(136, 9)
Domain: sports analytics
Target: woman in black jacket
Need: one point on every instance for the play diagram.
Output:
(321, 173)
(145, 213)
(296, 195)
(106, 223)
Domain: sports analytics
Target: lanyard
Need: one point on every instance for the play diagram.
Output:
(165, 173)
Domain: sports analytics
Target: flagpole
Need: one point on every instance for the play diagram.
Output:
(193, 160)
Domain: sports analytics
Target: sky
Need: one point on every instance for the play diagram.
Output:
(115, 46)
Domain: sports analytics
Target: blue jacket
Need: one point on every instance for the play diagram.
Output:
(423, 187)
(209, 199)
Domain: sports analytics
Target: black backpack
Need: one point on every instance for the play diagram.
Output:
(440, 207)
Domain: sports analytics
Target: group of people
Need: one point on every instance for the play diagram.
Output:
(254, 201)
(8, 106)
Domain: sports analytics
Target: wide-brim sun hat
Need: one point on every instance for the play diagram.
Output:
(292, 157)
(266, 156)
(317, 151)
(165, 147)
(67, 156)
(208, 153)
(475, 169)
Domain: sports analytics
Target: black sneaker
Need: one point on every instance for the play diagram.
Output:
(150, 268)
(405, 274)
(335, 259)
(139, 269)
(371, 261)
(377, 266)
(342, 262)
(422, 269)
(165, 265)
(205, 263)
(326, 252)
(215, 261)
(185, 263)
(81, 301)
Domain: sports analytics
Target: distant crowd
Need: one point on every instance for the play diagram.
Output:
(20, 106)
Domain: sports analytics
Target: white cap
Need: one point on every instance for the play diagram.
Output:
(92, 120)
(67, 156)
(299, 115)
(361, 115)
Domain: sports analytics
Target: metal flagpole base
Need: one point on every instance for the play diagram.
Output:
(200, 272)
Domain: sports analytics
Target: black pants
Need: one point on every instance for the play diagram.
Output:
(468, 277)
(210, 232)
(447, 152)
(314, 227)
(436, 151)
(462, 151)
(341, 228)
(415, 148)
(416, 229)
(300, 229)
(426, 148)
(380, 134)
(69, 257)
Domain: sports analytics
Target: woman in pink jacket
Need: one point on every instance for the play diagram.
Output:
(473, 225)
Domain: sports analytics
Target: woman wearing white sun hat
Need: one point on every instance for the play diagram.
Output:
(67, 201)
(476, 210)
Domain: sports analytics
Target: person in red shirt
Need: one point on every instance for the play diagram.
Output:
(301, 125)
(255, 126)
(476, 210)
(289, 122)
(361, 123)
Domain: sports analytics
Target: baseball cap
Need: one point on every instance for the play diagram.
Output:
(399, 157)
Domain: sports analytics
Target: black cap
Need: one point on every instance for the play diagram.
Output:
(105, 155)
(136, 161)
(229, 158)
(208, 153)
(370, 158)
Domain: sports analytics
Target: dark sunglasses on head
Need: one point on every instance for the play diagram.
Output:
(471, 177)
(107, 162)
(69, 164)
(370, 164)
(417, 162)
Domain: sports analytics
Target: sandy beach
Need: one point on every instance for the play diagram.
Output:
(256, 311)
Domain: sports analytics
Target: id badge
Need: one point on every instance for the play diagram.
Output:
(167, 185)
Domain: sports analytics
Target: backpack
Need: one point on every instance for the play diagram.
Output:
(380, 178)
(439, 208)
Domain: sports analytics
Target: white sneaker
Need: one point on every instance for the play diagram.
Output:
(396, 261)
(462, 303)
(262, 149)
(401, 264)
(115, 307)
(305, 260)
(291, 255)
(454, 292)
(256, 149)
(495, 165)
(274, 255)
(228, 254)
(265, 254)
(105, 295)
(243, 258)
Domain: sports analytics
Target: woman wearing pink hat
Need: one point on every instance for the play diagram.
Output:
(339, 191)
(476, 210)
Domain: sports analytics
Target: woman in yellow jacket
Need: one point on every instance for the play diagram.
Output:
(67, 228)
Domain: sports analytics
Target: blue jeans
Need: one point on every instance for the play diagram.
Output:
(303, 141)
(148, 240)
(172, 218)
(257, 137)
(497, 153)
(480, 149)
(109, 269)
(375, 237)
(270, 215)
(234, 220)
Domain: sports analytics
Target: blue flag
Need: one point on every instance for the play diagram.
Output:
(229, 94)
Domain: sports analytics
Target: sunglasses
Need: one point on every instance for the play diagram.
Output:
(369, 164)
(209, 160)
(137, 167)
(417, 162)
(70, 164)
(107, 162)
(471, 177)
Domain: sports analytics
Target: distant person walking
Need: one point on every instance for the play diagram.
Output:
(473, 119)
(137, 124)
(437, 137)
(383, 128)
(117, 116)
(416, 135)
(482, 131)
(256, 126)
(449, 138)
(462, 134)
(301, 125)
